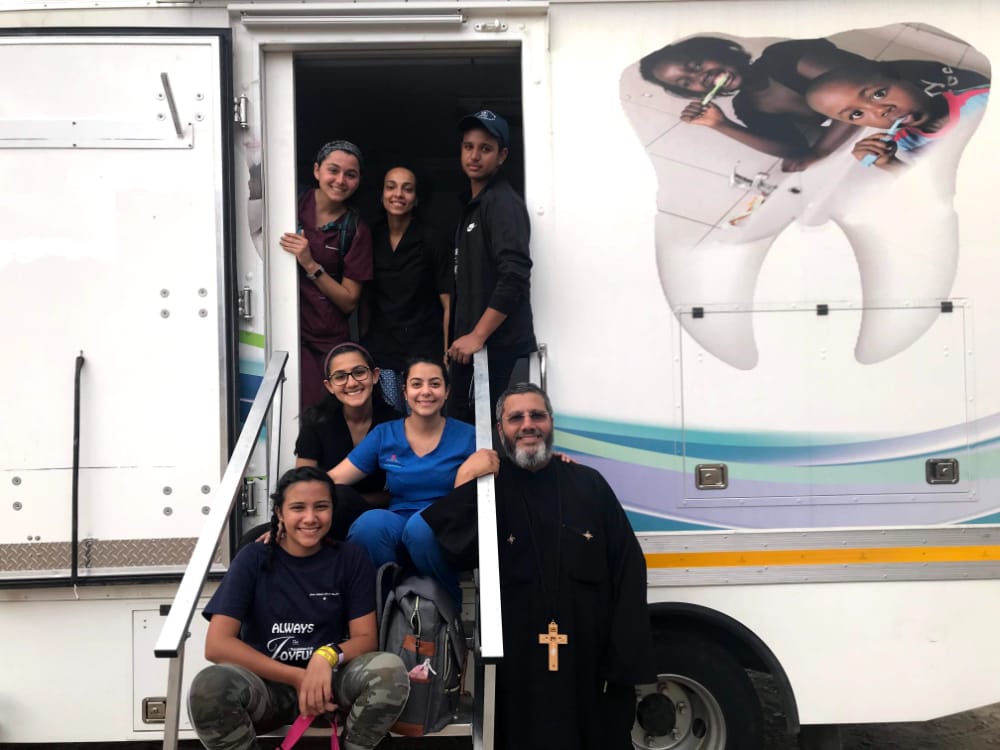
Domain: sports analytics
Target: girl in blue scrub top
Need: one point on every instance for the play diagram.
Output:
(421, 456)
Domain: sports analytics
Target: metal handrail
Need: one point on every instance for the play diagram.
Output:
(170, 644)
(543, 366)
(489, 630)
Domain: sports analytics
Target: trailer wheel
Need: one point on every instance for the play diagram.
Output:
(702, 700)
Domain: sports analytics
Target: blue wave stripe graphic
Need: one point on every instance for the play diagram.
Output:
(785, 448)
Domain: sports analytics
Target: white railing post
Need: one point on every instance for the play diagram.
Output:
(170, 644)
(490, 625)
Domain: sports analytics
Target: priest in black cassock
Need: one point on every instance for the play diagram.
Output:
(576, 634)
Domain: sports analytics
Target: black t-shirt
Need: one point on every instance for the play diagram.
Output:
(300, 603)
(325, 438)
(405, 295)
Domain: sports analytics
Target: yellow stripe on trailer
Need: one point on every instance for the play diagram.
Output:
(836, 556)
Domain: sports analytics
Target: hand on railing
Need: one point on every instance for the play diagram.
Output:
(484, 461)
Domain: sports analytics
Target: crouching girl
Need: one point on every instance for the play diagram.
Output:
(292, 630)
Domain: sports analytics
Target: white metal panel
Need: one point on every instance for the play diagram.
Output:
(100, 697)
(115, 251)
(149, 674)
(858, 653)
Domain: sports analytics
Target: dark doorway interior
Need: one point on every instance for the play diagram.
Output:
(402, 108)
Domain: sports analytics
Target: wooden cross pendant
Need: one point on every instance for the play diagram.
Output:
(553, 639)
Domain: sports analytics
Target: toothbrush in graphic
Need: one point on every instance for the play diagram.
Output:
(719, 81)
(872, 158)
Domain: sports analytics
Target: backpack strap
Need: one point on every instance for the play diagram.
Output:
(385, 581)
(348, 228)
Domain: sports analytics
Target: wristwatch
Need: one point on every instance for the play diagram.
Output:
(316, 274)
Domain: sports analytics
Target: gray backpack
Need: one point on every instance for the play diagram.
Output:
(419, 623)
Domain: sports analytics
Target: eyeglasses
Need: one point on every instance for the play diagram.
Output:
(517, 417)
(359, 373)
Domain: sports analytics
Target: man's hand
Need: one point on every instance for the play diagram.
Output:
(464, 347)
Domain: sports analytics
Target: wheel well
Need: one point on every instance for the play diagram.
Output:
(736, 638)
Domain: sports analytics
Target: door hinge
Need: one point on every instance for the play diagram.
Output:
(244, 303)
(248, 502)
(241, 105)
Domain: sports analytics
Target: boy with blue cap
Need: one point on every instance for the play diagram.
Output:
(491, 304)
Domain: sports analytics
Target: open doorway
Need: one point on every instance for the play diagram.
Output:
(402, 107)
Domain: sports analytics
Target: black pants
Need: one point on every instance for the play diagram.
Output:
(461, 402)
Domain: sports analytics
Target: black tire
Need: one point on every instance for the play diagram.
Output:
(714, 704)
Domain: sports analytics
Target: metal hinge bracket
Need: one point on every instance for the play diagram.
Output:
(244, 303)
(241, 105)
(495, 26)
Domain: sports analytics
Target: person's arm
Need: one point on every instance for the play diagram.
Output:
(223, 645)
(346, 473)
(316, 688)
(833, 137)
(465, 346)
(299, 462)
(445, 317)
(363, 636)
(344, 294)
(362, 460)
(442, 259)
(710, 116)
(484, 461)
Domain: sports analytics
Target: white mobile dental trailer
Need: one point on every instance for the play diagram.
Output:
(789, 378)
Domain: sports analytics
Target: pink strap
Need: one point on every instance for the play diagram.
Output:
(299, 727)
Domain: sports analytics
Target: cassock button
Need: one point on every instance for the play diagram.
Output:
(587, 535)
(510, 539)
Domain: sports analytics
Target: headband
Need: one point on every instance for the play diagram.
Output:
(345, 146)
(339, 349)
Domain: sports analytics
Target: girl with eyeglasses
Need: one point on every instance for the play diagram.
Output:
(421, 456)
(330, 430)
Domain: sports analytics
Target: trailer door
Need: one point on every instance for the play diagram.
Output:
(115, 249)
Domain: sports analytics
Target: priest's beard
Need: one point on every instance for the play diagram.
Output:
(529, 459)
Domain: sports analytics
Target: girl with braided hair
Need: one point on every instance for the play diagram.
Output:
(292, 630)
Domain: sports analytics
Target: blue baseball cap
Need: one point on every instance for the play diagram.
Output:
(489, 121)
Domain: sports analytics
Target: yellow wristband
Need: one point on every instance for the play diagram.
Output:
(331, 656)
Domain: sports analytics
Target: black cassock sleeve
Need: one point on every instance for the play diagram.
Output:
(629, 656)
(455, 524)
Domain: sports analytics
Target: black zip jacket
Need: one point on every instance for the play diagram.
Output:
(493, 268)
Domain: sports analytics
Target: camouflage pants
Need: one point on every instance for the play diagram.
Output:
(228, 705)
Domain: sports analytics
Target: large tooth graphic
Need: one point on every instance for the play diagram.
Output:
(902, 226)
(904, 233)
(716, 275)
